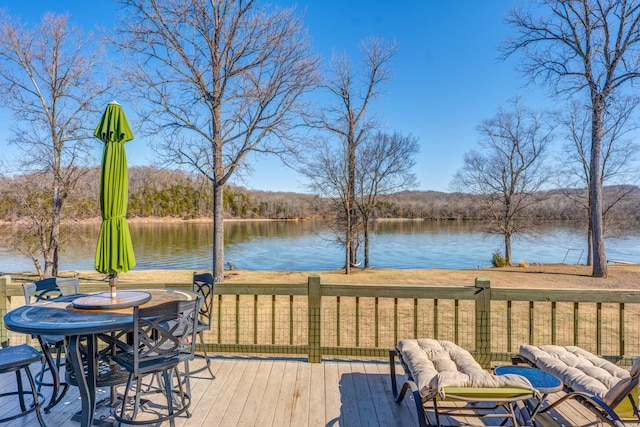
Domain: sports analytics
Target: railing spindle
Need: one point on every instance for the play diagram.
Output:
(357, 321)
(599, 328)
(576, 317)
(531, 322)
(255, 319)
(621, 331)
(376, 323)
(435, 319)
(554, 323)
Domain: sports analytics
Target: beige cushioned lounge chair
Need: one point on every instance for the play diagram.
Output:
(609, 391)
(440, 371)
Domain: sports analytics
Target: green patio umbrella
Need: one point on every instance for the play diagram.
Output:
(114, 252)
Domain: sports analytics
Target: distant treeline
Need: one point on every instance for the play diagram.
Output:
(169, 193)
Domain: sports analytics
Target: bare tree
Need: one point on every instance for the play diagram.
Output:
(348, 120)
(327, 172)
(617, 163)
(508, 172)
(585, 47)
(383, 167)
(48, 81)
(217, 80)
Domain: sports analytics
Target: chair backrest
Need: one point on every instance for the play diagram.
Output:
(165, 332)
(203, 284)
(623, 388)
(50, 288)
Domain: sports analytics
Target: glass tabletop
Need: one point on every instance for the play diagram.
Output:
(540, 380)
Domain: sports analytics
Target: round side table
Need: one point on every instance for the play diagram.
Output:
(542, 381)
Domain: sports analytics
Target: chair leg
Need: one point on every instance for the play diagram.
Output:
(206, 356)
(187, 375)
(136, 404)
(169, 394)
(38, 398)
(183, 395)
(23, 407)
(53, 367)
(34, 391)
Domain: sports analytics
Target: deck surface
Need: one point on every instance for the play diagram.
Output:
(278, 392)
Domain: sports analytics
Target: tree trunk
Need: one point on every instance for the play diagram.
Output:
(348, 243)
(351, 195)
(590, 243)
(218, 231)
(595, 190)
(507, 248)
(365, 225)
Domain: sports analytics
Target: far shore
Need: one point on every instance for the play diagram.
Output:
(151, 220)
(532, 277)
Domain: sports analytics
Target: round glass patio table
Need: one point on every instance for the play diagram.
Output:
(59, 317)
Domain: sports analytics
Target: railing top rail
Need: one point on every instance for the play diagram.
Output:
(567, 295)
(387, 291)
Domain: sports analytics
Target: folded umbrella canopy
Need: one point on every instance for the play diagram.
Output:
(114, 252)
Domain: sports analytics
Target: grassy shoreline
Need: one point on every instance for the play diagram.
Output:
(538, 276)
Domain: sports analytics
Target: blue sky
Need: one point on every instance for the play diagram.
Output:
(447, 77)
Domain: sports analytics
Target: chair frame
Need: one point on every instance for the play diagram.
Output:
(42, 290)
(595, 404)
(512, 406)
(17, 366)
(204, 285)
(163, 337)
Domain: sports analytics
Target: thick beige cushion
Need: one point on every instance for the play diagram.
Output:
(581, 370)
(434, 365)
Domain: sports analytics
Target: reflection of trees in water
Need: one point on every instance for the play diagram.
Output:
(241, 231)
(78, 239)
(184, 237)
(171, 238)
(426, 227)
(419, 226)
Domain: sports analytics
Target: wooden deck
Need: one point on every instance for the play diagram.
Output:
(249, 391)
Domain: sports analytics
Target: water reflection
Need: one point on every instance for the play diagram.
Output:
(307, 245)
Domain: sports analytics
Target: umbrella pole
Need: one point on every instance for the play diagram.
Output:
(113, 282)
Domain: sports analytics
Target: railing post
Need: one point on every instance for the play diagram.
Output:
(314, 303)
(483, 321)
(5, 305)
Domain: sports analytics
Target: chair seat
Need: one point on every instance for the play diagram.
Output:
(149, 366)
(53, 340)
(18, 357)
(109, 374)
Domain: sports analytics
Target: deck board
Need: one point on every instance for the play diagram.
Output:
(250, 414)
(317, 397)
(332, 394)
(302, 393)
(268, 403)
(250, 391)
(286, 395)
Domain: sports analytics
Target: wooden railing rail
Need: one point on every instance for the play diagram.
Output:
(316, 319)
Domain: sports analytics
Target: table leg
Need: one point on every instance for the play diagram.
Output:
(86, 384)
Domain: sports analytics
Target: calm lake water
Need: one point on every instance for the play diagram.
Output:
(308, 246)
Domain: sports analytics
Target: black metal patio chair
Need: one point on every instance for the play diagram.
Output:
(163, 337)
(43, 290)
(203, 285)
(17, 359)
